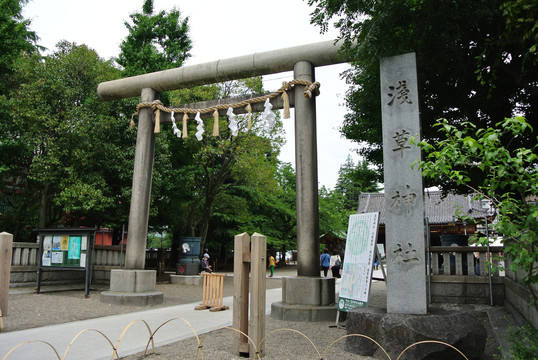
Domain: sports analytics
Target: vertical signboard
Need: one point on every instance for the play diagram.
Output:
(358, 260)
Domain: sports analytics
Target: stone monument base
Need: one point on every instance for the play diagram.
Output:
(307, 299)
(395, 332)
(132, 287)
(187, 280)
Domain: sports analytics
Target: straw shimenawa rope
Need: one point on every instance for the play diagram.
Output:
(311, 89)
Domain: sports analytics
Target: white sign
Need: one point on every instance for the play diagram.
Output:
(358, 260)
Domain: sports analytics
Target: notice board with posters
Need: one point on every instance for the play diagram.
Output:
(66, 249)
(358, 260)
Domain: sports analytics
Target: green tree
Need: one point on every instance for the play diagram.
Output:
(63, 131)
(476, 60)
(160, 41)
(16, 39)
(271, 210)
(354, 180)
(333, 214)
(16, 42)
(155, 41)
(510, 181)
(227, 167)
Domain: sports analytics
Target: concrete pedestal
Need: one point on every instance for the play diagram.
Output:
(306, 299)
(132, 287)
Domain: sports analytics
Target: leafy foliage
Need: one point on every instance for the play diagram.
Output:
(509, 179)
(15, 40)
(355, 179)
(61, 132)
(155, 41)
(523, 342)
(476, 60)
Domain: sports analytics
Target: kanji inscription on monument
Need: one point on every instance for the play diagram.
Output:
(404, 217)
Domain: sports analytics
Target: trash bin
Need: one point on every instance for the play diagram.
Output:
(456, 240)
(189, 249)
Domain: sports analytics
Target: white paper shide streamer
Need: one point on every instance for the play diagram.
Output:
(233, 126)
(176, 131)
(199, 127)
(269, 115)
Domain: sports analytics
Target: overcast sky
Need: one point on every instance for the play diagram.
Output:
(218, 30)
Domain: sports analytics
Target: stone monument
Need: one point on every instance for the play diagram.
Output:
(404, 218)
(407, 319)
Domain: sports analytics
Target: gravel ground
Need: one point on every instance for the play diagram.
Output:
(27, 310)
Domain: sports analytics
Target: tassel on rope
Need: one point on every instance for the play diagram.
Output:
(216, 123)
(157, 128)
(248, 108)
(132, 123)
(185, 118)
(286, 99)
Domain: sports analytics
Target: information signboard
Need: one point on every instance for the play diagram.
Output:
(358, 260)
(65, 249)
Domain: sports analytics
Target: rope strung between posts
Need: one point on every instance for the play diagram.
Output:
(311, 89)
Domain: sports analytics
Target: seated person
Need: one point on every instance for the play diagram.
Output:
(204, 264)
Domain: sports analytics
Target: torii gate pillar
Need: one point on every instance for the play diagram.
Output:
(307, 297)
(306, 164)
(134, 285)
(135, 256)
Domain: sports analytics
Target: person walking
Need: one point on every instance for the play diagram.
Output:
(325, 260)
(272, 265)
(335, 264)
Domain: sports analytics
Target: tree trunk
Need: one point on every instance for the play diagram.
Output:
(43, 207)
(204, 226)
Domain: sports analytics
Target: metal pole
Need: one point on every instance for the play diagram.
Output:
(429, 260)
(306, 164)
(121, 244)
(489, 263)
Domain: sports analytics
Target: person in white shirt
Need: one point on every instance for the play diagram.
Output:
(335, 264)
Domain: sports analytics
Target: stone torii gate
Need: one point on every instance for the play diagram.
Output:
(308, 288)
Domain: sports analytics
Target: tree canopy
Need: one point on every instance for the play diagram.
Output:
(155, 41)
(16, 39)
(59, 133)
(476, 60)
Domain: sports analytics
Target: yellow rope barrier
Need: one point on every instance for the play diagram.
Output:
(311, 89)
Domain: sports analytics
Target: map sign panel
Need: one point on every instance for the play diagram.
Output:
(358, 260)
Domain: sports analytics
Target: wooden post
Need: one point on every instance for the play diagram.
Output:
(6, 243)
(256, 328)
(241, 289)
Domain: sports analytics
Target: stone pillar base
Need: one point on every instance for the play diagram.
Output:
(395, 332)
(308, 299)
(132, 287)
(187, 280)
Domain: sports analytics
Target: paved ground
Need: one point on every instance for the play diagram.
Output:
(58, 316)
